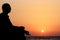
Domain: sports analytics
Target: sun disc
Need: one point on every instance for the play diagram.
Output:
(42, 30)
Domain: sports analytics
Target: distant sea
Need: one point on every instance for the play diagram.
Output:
(42, 37)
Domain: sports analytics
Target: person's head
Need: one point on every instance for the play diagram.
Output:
(6, 8)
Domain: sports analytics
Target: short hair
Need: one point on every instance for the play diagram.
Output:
(6, 7)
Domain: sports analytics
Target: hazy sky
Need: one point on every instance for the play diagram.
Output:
(36, 15)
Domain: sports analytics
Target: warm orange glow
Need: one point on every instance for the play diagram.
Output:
(40, 17)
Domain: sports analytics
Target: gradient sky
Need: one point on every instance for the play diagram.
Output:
(36, 15)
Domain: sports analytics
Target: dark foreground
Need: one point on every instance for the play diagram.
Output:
(43, 37)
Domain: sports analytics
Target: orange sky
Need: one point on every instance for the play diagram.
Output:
(36, 15)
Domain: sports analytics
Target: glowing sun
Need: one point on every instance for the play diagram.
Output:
(42, 30)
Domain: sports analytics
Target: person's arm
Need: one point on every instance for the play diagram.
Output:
(27, 33)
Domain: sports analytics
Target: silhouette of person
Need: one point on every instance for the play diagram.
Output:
(6, 26)
(19, 33)
(5, 22)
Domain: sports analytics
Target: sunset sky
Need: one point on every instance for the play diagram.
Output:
(40, 17)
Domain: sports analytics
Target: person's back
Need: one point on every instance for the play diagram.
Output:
(5, 23)
(4, 18)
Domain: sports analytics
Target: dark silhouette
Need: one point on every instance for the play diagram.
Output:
(5, 23)
(22, 33)
(9, 31)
